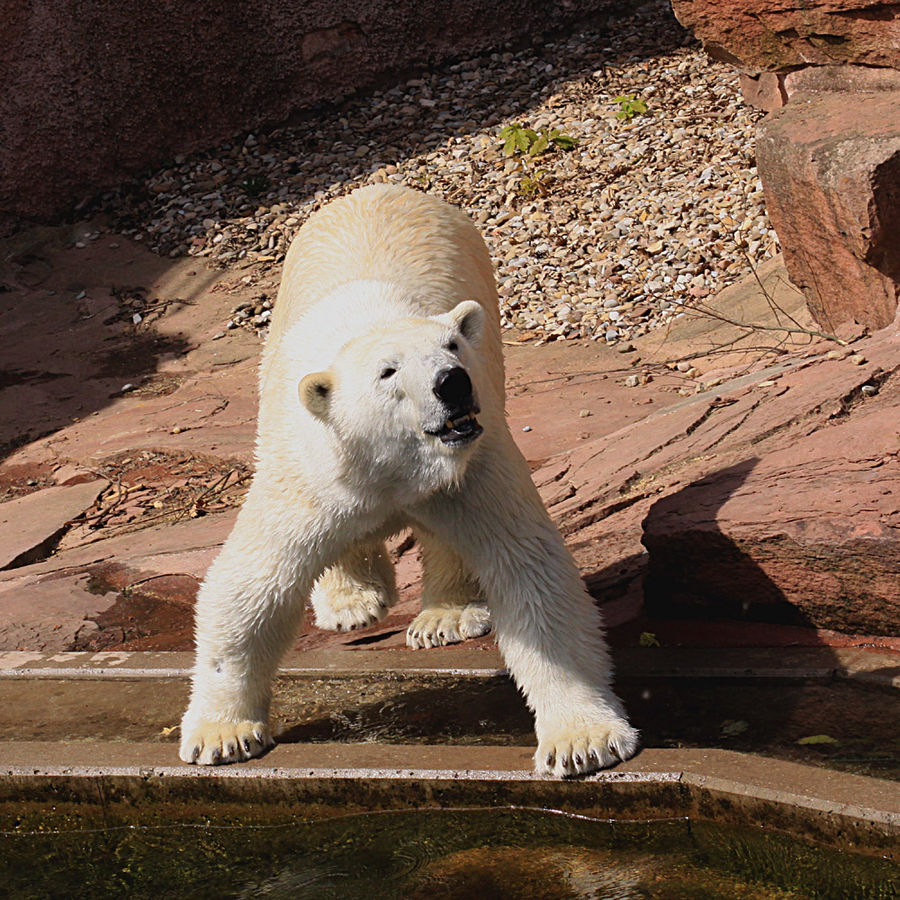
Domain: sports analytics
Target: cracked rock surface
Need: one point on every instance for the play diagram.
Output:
(754, 485)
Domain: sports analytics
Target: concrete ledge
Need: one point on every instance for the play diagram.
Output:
(65, 696)
(832, 807)
(866, 666)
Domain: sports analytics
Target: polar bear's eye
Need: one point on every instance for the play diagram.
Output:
(453, 346)
(387, 371)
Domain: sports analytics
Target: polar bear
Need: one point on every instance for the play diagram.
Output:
(381, 408)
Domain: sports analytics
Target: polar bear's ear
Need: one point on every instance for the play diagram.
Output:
(315, 393)
(468, 317)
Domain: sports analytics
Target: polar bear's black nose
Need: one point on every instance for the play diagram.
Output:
(454, 387)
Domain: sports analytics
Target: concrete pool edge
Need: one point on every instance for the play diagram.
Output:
(834, 808)
(875, 667)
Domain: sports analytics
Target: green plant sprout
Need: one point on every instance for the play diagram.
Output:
(631, 106)
(519, 140)
(529, 185)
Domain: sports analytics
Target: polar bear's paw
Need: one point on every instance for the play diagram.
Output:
(214, 743)
(475, 621)
(340, 610)
(585, 747)
(438, 626)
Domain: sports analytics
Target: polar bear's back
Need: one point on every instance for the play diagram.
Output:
(387, 233)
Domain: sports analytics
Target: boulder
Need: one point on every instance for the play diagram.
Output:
(830, 167)
(802, 537)
(765, 36)
(771, 497)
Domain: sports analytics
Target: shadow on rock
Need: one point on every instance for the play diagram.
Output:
(695, 571)
(77, 331)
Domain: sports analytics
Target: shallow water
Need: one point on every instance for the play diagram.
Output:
(433, 854)
(767, 717)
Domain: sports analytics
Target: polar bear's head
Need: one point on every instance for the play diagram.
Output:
(403, 399)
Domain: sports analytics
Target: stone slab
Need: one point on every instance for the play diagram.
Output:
(36, 520)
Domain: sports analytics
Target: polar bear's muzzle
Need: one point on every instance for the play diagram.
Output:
(459, 431)
(453, 388)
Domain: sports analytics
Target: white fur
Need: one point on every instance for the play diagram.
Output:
(383, 280)
(452, 606)
(357, 591)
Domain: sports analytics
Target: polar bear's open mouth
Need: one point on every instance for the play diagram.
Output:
(459, 431)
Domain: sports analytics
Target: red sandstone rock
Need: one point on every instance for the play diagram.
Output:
(764, 91)
(804, 534)
(779, 486)
(830, 167)
(30, 526)
(772, 498)
(777, 36)
(826, 79)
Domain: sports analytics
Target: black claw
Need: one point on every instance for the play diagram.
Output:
(247, 745)
(549, 759)
(578, 760)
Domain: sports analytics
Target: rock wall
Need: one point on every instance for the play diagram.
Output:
(97, 91)
(829, 152)
(781, 35)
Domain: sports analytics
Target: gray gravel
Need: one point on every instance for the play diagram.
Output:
(613, 238)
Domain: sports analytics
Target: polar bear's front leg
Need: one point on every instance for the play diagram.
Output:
(548, 628)
(357, 591)
(453, 609)
(249, 609)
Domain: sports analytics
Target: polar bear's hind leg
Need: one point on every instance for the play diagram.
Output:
(356, 592)
(453, 609)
